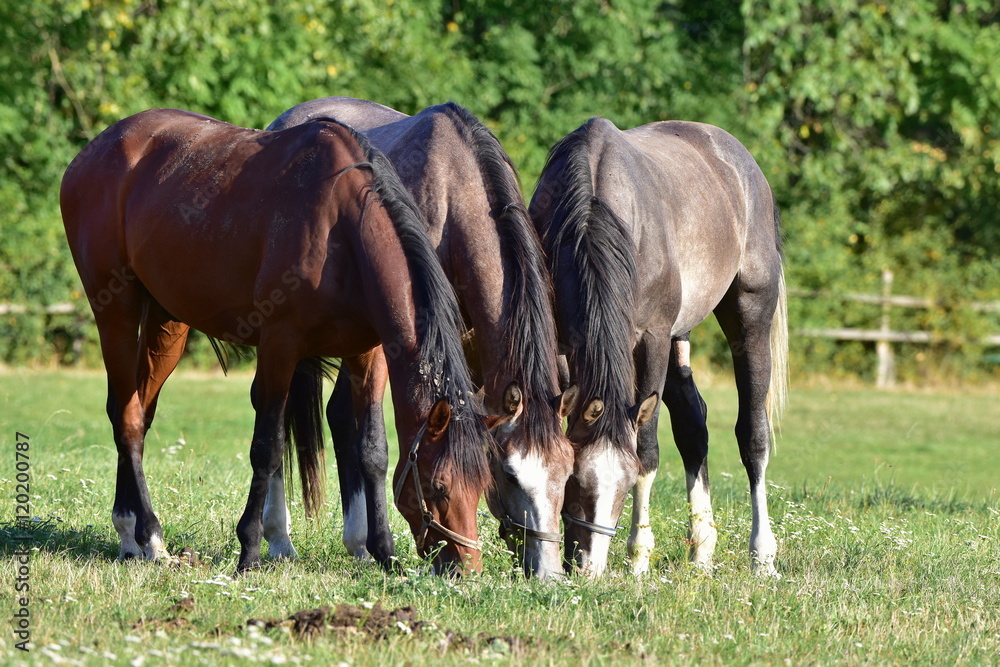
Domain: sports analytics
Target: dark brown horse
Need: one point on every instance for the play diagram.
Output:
(304, 244)
(648, 231)
(468, 190)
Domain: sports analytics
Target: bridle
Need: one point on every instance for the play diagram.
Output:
(428, 519)
(508, 526)
(592, 527)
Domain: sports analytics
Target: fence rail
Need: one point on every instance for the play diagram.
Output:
(883, 337)
(52, 309)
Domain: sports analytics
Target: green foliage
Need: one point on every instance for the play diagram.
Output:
(875, 122)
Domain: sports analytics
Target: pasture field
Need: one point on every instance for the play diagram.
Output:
(885, 506)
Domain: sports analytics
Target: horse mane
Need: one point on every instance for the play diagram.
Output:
(443, 370)
(591, 253)
(531, 353)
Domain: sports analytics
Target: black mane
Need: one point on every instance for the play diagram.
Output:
(439, 324)
(528, 319)
(591, 254)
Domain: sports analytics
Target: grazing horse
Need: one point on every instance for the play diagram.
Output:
(648, 231)
(468, 190)
(304, 244)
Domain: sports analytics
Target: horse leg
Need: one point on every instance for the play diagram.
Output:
(650, 363)
(276, 521)
(161, 344)
(745, 316)
(369, 374)
(275, 368)
(344, 429)
(688, 414)
(118, 324)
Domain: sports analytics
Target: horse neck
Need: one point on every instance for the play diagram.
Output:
(511, 304)
(410, 400)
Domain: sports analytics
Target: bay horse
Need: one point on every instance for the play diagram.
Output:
(304, 244)
(647, 231)
(469, 191)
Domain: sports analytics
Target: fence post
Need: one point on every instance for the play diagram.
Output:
(886, 363)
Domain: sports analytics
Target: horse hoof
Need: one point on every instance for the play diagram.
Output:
(249, 565)
(282, 551)
(765, 570)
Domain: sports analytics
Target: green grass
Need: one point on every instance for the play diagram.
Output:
(884, 504)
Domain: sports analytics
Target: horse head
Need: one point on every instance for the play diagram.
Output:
(438, 485)
(606, 467)
(530, 462)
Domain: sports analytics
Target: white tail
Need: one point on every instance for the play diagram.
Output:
(777, 392)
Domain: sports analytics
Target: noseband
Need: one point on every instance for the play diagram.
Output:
(508, 525)
(428, 519)
(592, 527)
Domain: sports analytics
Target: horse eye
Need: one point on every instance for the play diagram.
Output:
(512, 478)
(440, 491)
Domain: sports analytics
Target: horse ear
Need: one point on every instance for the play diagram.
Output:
(593, 410)
(479, 396)
(492, 421)
(642, 412)
(565, 402)
(513, 405)
(439, 418)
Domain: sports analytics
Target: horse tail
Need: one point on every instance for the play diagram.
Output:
(304, 430)
(777, 393)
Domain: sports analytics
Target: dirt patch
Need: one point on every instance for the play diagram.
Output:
(373, 623)
(175, 620)
(378, 623)
(187, 557)
(345, 619)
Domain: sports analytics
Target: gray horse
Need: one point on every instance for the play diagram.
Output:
(647, 231)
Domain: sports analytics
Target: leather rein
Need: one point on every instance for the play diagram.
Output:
(592, 527)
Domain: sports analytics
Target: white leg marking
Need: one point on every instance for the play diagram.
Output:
(703, 533)
(640, 539)
(763, 546)
(277, 521)
(682, 349)
(125, 525)
(356, 527)
(157, 549)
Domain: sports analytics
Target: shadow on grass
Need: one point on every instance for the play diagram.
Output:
(92, 543)
(53, 537)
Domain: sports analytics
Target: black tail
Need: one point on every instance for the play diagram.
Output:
(304, 430)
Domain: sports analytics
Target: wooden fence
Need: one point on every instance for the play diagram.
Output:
(884, 336)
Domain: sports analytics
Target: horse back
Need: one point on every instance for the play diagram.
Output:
(700, 209)
(212, 218)
(362, 115)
